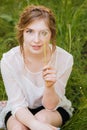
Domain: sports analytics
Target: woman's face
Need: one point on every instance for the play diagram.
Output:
(35, 36)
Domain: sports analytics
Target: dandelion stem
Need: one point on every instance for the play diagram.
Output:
(45, 55)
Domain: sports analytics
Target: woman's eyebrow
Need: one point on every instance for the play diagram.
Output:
(46, 29)
(29, 28)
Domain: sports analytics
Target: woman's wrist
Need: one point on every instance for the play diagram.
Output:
(50, 89)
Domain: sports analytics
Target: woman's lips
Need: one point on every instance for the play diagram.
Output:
(37, 47)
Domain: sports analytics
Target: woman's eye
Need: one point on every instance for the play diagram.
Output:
(44, 33)
(29, 31)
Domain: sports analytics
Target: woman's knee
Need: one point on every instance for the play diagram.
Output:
(42, 116)
(16, 127)
(53, 118)
(13, 124)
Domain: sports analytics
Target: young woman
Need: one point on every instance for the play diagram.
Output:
(35, 75)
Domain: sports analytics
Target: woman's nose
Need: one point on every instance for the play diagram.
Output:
(36, 37)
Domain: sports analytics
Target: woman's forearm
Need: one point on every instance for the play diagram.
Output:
(25, 117)
(50, 98)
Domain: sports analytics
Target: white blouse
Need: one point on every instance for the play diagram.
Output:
(25, 88)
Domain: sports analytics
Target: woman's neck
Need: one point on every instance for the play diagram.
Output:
(35, 62)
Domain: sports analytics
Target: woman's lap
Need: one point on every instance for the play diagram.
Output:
(33, 111)
(58, 117)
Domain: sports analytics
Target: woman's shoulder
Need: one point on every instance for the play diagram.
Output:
(12, 59)
(62, 52)
(11, 54)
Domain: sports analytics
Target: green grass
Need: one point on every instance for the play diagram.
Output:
(71, 17)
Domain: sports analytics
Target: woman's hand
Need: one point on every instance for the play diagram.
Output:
(49, 75)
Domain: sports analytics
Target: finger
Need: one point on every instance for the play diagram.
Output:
(50, 78)
(48, 67)
(49, 72)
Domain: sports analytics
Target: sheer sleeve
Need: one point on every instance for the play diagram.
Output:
(14, 92)
(63, 76)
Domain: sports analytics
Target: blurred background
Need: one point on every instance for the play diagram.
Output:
(71, 18)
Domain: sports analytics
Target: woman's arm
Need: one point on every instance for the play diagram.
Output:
(50, 97)
(25, 117)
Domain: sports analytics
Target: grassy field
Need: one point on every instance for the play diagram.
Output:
(71, 17)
